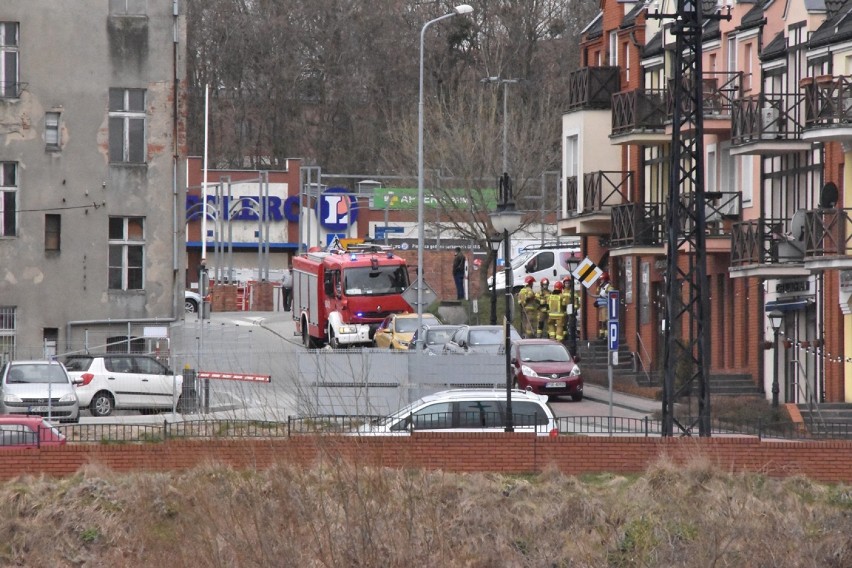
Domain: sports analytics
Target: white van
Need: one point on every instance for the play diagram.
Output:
(550, 261)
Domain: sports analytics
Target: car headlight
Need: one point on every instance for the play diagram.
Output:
(70, 397)
(11, 398)
(528, 371)
(575, 372)
(346, 329)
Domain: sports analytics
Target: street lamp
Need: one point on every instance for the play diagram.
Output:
(505, 83)
(388, 197)
(460, 9)
(495, 246)
(776, 318)
(506, 220)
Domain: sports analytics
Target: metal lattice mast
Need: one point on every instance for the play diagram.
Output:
(687, 337)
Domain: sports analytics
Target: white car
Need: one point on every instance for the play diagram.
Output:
(468, 410)
(118, 381)
(192, 302)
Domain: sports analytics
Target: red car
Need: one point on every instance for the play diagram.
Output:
(545, 367)
(20, 431)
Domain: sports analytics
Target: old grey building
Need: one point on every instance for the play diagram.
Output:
(92, 173)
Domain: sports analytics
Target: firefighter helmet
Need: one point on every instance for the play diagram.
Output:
(545, 282)
(557, 286)
(566, 281)
(529, 280)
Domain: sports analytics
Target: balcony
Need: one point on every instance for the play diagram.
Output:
(719, 90)
(601, 191)
(721, 210)
(639, 117)
(828, 108)
(768, 124)
(638, 228)
(766, 248)
(828, 233)
(592, 88)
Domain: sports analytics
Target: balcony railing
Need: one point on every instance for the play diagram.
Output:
(768, 117)
(605, 189)
(639, 109)
(765, 241)
(827, 232)
(572, 194)
(719, 91)
(721, 210)
(592, 87)
(828, 100)
(638, 224)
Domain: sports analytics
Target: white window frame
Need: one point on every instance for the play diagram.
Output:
(747, 179)
(9, 60)
(711, 169)
(126, 118)
(613, 48)
(120, 251)
(8, 332)
(9, 184)
(51, 129)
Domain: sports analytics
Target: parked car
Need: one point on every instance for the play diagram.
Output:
(434, 337)
(480, 339)
(119, 381)
(396, 331)
(192, 301)
(40, 388)
(546, 367)
(468, 410)
(18, 431)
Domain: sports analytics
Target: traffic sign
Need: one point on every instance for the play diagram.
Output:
(612, 305)
(587, 272)
(410, 295)
(613, 336)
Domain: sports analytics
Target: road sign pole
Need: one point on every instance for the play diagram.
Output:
(612, 335)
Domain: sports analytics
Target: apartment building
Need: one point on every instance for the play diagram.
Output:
(91, 151)
(775, 125)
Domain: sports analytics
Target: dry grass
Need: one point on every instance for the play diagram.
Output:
(337, 514)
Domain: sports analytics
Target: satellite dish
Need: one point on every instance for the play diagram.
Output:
(793, 250)
(828, 196)
(797, 226)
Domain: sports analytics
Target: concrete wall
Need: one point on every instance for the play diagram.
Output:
(88, 52)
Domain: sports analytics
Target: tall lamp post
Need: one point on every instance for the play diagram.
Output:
(460, 9)
(776, 318)
(388, 197)
(505, 83)
(495, 247)
(573, 261)
(507, 220)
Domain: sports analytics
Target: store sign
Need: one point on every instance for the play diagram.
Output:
(338, 209)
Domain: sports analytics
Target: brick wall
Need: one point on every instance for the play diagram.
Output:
(825, 461)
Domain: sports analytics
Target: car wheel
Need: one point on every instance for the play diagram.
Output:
(307, 340)
(577, 397)
(190, 306)
(102, 404)
(332, 340)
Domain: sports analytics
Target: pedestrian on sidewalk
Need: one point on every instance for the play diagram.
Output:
(458, 273)
(287, 288)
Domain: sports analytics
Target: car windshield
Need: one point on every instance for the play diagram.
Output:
(439, 336)
(36, 373)
(544, 353)
(365, 281)
(521, 259)
(409, 325)
(78, 363)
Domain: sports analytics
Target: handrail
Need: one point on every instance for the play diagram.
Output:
(642, 348)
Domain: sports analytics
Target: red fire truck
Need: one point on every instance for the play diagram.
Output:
(341, 296)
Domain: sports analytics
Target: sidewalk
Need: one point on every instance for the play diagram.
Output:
(622, 400)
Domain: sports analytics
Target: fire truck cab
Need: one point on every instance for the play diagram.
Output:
(341, 296)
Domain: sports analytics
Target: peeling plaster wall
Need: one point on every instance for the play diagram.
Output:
(89, 52)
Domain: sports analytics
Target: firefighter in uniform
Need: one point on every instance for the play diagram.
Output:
(567, 283)
(556, 313)
(543, 296)
(528, 302)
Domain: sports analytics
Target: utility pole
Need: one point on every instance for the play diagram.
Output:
(687, 338)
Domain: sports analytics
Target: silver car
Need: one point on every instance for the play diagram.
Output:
(489, 339)
(40, 388)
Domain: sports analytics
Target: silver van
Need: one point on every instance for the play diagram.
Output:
(39, 388)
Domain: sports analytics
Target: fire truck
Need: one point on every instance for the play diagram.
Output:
(341, 296)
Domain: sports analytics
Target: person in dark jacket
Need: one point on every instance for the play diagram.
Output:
(458, 273)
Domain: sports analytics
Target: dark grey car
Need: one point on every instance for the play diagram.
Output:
(435, 336)
(480, 339)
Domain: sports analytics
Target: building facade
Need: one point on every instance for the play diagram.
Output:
(775, 136)
(91, 154)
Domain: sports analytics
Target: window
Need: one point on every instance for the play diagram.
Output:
(127, 126)
(52, 230)
(50, 337)
(9, 87)
(51, 130)
(8, 199)
(126, 253)
(613, 48)
(8, 323)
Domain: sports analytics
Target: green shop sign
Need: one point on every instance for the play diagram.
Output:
(406, 198)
